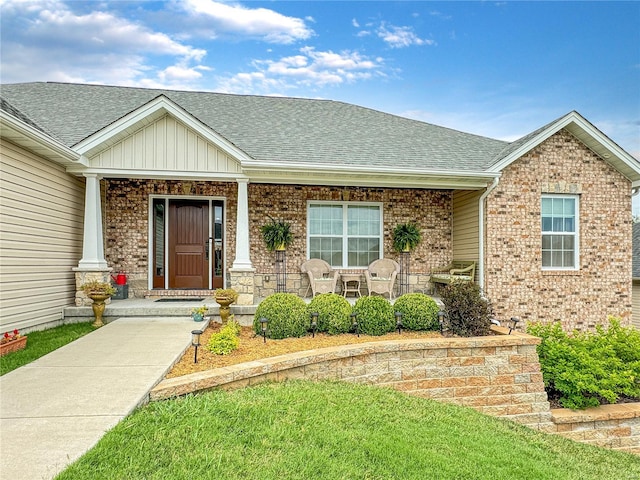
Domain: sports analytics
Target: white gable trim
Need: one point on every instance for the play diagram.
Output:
(147, 114)
(21, 133)
(593, 138)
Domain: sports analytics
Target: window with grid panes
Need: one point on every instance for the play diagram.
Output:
(560, 232)
(345, 234)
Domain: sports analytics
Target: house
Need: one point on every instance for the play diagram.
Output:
(176, 186)
(636, 275)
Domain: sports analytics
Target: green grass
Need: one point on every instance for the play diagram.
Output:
(332, 430)
(42, 342)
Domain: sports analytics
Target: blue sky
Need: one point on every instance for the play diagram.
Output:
(499, 69)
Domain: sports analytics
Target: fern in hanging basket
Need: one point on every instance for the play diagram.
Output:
(406, 237)
(276, 234)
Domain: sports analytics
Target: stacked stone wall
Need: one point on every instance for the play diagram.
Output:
(515, 281)
(497, 375)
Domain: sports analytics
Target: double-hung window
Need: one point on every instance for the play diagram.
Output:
(560, 232)
(346, 235)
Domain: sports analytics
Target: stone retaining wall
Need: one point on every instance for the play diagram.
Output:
(612, 426)
(498, 375)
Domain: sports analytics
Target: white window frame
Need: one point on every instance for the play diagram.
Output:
(345, 236)
(575, 233)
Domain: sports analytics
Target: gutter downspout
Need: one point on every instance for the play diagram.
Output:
(493, 185)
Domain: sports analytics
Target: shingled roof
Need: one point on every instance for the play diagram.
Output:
(281, 129)
(636, 250)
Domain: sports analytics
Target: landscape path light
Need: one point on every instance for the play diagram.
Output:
(195, 341)
(513, 324)
(354, 323)
(441, 321)
(314, 324)
(264, 322)
(399, 322)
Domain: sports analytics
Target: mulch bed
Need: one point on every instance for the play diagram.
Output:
(252, 347)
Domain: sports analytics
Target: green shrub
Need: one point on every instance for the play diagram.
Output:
(375, 315)
(468, 314)
(419, 311)
(226, 340)
(586, 369)
(287, 315)
(333, 313)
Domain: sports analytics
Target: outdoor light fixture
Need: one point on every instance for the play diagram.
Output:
(514, 323)
(314, 324)
(399, 322)
(264, 321)
(354, 322)
(441, 321)
(195, 341)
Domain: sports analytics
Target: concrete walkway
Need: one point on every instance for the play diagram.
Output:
(58, 407)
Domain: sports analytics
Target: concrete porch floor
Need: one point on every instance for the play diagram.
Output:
(147, 307)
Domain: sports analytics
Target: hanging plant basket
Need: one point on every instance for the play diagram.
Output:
(276, 234)
(406, 237)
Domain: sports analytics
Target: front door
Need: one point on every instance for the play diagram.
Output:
(189, 244)
(193, 232)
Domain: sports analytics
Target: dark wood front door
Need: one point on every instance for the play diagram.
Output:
(188, 244)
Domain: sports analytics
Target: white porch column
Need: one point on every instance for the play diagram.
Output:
(242, 260)
(92, 241)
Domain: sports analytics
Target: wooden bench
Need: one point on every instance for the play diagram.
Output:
(458, 270)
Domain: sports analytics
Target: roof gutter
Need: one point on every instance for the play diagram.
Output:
(33, 134)
(481, 216)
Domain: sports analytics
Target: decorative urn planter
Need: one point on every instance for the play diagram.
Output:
(99, 292)
(224, 298)
(98, 306)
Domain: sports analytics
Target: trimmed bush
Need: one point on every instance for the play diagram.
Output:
(468, 313)
(333, 313)
(375, 315)
(586, 369)
(419, 311)
(287, 315)
(226, 340)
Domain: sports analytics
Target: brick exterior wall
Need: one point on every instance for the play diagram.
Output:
(431, 209)
(514, 279)
(127, 224)
(126, 220)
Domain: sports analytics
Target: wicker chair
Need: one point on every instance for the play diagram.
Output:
(381, 276)
(322, 278)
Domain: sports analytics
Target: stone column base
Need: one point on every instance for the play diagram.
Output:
(242, 281)
(84, 276)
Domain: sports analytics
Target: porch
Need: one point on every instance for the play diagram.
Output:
(177, 305)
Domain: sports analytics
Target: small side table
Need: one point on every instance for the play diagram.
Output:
(350, 283)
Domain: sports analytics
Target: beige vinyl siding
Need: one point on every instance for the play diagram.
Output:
(465, 224)
(166, 145)
(635, 294)
(41, 225)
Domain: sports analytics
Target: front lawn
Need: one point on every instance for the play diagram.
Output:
(42, 342)
(333, 430)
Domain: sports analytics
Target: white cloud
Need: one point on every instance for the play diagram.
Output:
(222, 18)
(48, 41)
(399, 37)
(310, 68)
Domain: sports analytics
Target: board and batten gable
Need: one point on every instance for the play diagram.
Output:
(41, 231)
(166, 145)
